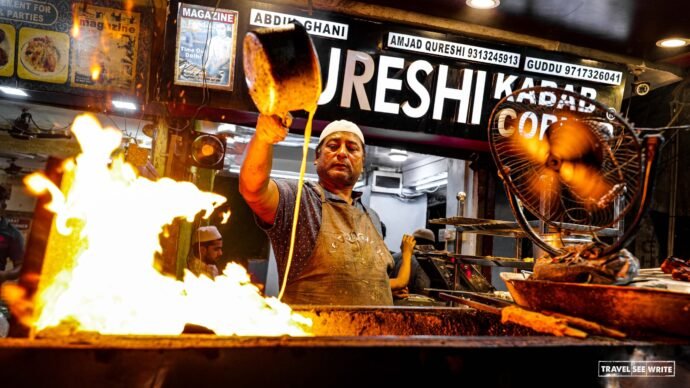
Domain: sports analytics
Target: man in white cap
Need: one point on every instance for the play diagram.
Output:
(340, 257)
(206, 250)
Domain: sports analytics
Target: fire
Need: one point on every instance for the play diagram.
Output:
(95, 72)
(225, 217)
(98, 273)
(75, 26)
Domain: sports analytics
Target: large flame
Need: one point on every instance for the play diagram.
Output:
(103, 278)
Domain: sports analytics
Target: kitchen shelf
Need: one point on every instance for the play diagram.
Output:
(493, 261)
(510, 228)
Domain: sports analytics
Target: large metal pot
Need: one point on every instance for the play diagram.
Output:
(282, 69)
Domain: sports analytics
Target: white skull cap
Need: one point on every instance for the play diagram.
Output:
(341, 126)
(206, 233)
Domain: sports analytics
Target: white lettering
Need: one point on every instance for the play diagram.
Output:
(478, 98)
(443, 92)
(332, 82)
(573, 71)
(527, 83)
(452, 50)
(503, 115)
(356, 82)
(504, 86)
(546, 120)
(567, 100)
(531, 128)
(383, 83)
(590, 93)
(547, 98)
(313, 26)
(418, 88)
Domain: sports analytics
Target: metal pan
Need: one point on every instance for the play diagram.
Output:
(634, 309)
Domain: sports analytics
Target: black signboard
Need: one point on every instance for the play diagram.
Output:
(391, 77)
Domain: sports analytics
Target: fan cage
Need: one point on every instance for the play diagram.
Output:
(558, 204)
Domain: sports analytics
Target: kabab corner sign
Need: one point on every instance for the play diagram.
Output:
(394, 77)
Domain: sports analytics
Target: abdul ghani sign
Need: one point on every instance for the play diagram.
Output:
(393, 77)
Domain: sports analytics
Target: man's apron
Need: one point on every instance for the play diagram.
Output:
(346, 267)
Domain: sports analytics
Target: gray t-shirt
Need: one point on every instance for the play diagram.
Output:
(308, 225)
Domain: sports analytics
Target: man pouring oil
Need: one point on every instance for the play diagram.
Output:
(340, 257)
(328, 248)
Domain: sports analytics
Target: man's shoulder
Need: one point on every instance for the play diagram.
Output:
(290, 186)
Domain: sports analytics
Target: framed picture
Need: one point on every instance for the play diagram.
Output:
(205, 49)
(104, 56)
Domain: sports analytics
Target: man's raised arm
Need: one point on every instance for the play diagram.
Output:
(256, 186)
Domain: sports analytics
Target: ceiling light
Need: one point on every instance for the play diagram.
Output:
(672, 42)
(13, 91)
(127, 105)
(397, 155)
(483, 4)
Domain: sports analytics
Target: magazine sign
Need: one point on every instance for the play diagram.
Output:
(105, 50)
(206, 44)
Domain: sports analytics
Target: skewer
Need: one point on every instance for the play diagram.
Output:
(514, 314)
(590, 326)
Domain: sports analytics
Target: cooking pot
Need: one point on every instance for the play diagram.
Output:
(282, 69)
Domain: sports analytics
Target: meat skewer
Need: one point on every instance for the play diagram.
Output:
(679, 269)
(547, 322)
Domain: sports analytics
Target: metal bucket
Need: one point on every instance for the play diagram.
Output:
(282, 69)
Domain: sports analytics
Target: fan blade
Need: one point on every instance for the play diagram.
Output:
(572, 139)
(536, 150)
(544, 190)
(586, 182)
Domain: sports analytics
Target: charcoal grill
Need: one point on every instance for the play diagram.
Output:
(352, 346)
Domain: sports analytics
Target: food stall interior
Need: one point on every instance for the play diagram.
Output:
(438, 123)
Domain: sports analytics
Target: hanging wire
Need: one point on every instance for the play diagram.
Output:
(205, 90)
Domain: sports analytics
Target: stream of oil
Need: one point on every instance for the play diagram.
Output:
(300, 184)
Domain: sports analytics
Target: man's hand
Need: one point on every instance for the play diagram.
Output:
(408, 243)
(401, 293)
(273, 129)
(406, 247)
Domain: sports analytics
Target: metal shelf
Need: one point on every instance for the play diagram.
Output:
(512, 229)
(496, 261)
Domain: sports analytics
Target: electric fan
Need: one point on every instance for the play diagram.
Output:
(573, 163)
